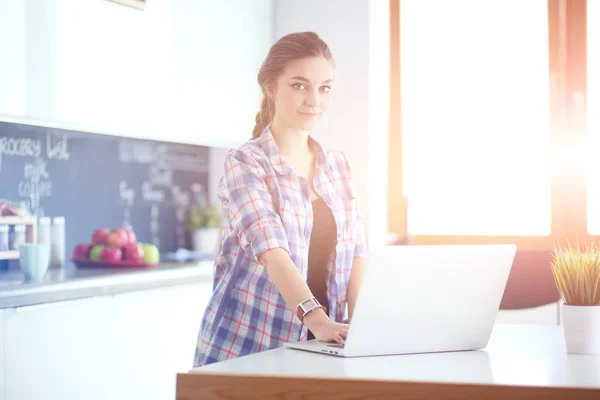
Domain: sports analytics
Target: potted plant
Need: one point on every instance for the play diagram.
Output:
(576, 272)
(203, 226)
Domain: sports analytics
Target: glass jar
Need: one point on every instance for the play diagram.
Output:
(57, 248)
(18, 237)
(4, 241)
(44, 230)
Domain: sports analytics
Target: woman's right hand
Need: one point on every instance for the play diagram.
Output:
(324, 329)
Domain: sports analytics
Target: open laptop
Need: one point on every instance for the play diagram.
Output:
(424, 299)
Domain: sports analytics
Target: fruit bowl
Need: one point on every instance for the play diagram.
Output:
(87, 263)
(116, 248)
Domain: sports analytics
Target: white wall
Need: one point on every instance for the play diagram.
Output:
(357, 33)
(379, 117)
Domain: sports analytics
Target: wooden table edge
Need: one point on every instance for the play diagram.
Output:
(193, 386)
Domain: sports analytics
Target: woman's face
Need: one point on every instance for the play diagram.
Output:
(303, 93)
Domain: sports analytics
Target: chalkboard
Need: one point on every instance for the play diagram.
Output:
(97, 181)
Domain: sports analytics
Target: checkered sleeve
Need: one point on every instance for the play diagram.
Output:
(250, 204)
(360, 248)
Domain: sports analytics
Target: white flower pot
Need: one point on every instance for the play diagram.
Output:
(582, 329)
(206, 240)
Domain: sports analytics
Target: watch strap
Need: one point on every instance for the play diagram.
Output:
(308, 306)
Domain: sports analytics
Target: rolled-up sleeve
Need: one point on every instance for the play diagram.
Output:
(246, 196)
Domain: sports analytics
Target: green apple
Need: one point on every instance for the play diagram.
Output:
(151, 253)
(96, 251)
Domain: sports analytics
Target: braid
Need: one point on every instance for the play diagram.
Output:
(263, 117)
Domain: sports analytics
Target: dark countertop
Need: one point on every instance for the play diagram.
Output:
(69, 282)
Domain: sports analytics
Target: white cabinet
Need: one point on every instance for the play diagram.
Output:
(60, 350)
(2, 351)
(126, 346)
(159, 339)
(12, 58)
(179, 70)
(114, 66)
(218, 48)
(87, 65)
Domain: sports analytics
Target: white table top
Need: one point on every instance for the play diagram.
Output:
(521, 355)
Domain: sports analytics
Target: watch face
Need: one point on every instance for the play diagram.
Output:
(309, 304)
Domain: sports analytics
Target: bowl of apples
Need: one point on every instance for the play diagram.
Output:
(115, 248)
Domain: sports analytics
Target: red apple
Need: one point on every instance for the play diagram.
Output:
(118, 239)
(111, 254)
(99, 236)
(82, 251)
(131, 234)
(133, 252)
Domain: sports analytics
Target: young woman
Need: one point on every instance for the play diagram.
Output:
(293, 249)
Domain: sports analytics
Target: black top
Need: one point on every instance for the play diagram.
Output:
(322, 244)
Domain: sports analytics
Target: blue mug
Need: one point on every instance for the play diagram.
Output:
(34, 260)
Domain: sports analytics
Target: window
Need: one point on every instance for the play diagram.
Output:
(489, 129)
(593, 114)
(476, 118)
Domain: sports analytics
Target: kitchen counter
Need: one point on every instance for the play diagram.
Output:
(69, 282)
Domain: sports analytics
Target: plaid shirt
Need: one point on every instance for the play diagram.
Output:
(266, 205)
